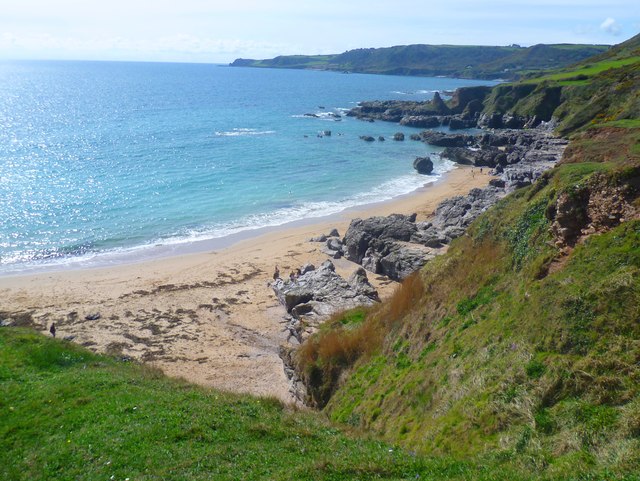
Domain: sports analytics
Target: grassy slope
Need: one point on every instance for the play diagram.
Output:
(494, 357)
(68, 414)
(506, 347)
(450, 60)
(601, 90)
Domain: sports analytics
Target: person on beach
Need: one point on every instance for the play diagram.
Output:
(52, 329)
(276, 274)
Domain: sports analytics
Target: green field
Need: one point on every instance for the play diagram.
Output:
(587, 70)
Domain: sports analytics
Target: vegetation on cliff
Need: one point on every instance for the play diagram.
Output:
(601, 90)
(523, 341)
(431, 60)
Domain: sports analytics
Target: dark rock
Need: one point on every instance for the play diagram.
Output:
(499, 183)
(439, 105)
(423, 165)
(361, 233)
(94, 316)
(307, 268)
(485, 157)
(458, 123)
(415, 137)
(473, 108)
(379, 245)
(367, 138)
(334, 254)
(381, 138)
(460, 211)
(399, 136)
(334, 243)
(463, 96)
(326, 133)
(360, 283)
(425, 122)
(403, 261)
(319, 238)
(501, 159)
(322, 292)
(459, 155)
(334, 233)
(301, 309)
(440, 139)
(492, 121)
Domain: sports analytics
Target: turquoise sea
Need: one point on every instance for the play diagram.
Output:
(103, 160)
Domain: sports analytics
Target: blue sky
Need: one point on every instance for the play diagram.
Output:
(220, 31)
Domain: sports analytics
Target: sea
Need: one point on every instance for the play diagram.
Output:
(104, 162)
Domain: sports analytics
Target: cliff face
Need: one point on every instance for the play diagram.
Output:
(523, 340)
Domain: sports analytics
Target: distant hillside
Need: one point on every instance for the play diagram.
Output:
(432, 60)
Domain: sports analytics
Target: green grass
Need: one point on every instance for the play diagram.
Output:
(624, 123)
(588, 70)
(428, 60)
(68, 414)
(502, 358)
(602, 90)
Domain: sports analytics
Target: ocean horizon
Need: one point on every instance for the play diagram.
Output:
(101, 161)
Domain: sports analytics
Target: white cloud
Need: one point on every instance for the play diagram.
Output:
(611, 26)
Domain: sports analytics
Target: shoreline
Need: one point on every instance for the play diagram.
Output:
(207, 316)
(149, 252)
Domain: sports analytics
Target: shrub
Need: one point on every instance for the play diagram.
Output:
(405, 297)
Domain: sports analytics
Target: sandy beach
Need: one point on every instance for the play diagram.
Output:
(208, 317)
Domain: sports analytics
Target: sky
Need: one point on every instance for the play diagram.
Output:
(221, 31)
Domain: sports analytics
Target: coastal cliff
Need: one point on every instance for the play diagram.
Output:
(523, 338)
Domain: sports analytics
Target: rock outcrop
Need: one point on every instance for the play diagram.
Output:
(318, 293)
(519, 157)
(423, 165)
(595, 207)
(440, 139)
(311, 298)
(395, 246)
